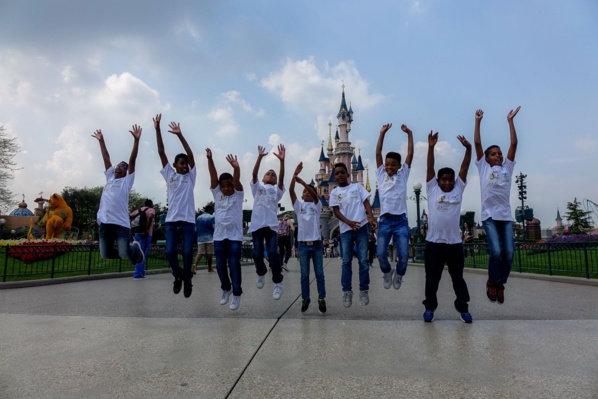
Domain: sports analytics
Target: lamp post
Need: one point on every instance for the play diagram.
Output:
(2, 222)
(417, 188)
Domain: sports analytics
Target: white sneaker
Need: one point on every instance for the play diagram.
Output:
(138, 245)
(234, 304)
(388, 279)
(261, 280)
(224, 297)
(347, 299)
(398, 280)
(364, 298)
(277, 291)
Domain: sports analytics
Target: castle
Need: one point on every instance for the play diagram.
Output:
(345, 153)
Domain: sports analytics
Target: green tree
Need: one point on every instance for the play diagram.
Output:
(203, 210)
(8, 150)
(580, 219)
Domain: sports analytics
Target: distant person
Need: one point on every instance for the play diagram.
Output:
(204, 225)
(180, 219)
(371, 246)
(443, 239)
(285, 240)
(113, 215)
(496, 175)
(467, 239)
(144, 238)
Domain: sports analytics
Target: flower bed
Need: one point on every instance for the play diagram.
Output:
(32, 251)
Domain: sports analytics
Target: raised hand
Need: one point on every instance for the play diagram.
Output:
(157, 120)
(479, 114)
(298, 169)
(512, 113)
(464, 141)
(385, 128)
(261, 151)
(406, 129)
(299, 180)
(232, 160)
(98, 135)
(136, 132)
(208, 153)
(175, 128)
(432, 138)
(281, 152)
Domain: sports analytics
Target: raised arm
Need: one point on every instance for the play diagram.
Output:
(136, 132)
(261, 152)
(432, 141)
(513, 133)
(379, 158)
(105, 156)
(280, 155)
(292, 193)
(466, 158)
(175, 128)
(409, 157)
(232, 160)
(477, 139)
(161, 152)
(212, 169)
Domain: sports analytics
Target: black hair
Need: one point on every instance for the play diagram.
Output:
(181, 155)
(446, 171)
(149, 202)
(394, 155)
(488, 150)
(341, 165)
(208, 208)
(225, 176)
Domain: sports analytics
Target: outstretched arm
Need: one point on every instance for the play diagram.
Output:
(161, 152)
(136, 132)
(432, 141)
(105, 156)
(280, 155)
(212, 169)
(175, 128)
(409, 157)
(477, 139)
(383, 130)
(261, 152)
(466, 158)
(236, 171)
(292, 193)
(513, 133)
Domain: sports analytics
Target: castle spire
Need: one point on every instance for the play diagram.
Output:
(367, 179)
(329, 136)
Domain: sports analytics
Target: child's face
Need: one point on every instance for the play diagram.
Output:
(446, 182)
(494, 157)
(340, 176)
(226, 187)
(120, 170)
(391, 166)
(181, 166)
(306, 197)
(270, 177)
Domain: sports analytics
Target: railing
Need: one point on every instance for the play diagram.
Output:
(60, 260)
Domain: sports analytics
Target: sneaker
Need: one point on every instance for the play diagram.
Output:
(284, 267)
(364, 298)
(234, 304)
(500, 294)
(261, 280)
(305, 305)
(491, 291)
(388, 279)
(188, 288)
(224, 297)
(347, 299)
(322, 306)
(177, 285)
(277, 293)
(138, 245)
(466, 318)
(140, 278)
(397, 281)
(429, 316)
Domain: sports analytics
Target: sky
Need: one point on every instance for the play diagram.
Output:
(238, 74)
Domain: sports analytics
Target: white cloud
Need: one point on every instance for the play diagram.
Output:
(586, 144)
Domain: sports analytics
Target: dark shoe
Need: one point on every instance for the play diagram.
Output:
(177, 285)
(491, 291)
(428, 316)
(500, 295)
(305, 305)
(187, 289)
(322, 305)
(466, 318)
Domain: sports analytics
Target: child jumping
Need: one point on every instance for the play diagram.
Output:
(443, 240)
(351, 205)
(393, 223)
(180, 219)
(495, 186)
(309, 240)
(113, 214)
(264, 223)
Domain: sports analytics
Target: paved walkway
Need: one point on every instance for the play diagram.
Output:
(121, 338)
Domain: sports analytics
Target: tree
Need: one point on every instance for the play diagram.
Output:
(203, 210)
(580, 219)
(8, 150)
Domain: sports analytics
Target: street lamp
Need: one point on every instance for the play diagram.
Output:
(417, 188)
(2, 222)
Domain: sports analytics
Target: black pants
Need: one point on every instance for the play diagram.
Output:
(284, 249)
(436, 256)
(371, 251)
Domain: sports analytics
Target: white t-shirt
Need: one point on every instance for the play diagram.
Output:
(349, 200)
(228, 211)
(495, 186)
(445, 212)
(179, 189)
(114, 204)
(265, 205)
(308, 218)
(393, 190)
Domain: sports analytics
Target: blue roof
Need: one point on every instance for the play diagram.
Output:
(322, 156)
(323, 200)
(21, 212)
(359, 164)
(331, 179)
(324, 183)
(354, 159)
(342, 112)
(336, 136)
(376, 202)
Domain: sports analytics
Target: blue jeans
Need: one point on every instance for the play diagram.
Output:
(146, 242)
(316, 255)
(269, 236)
(111, 234)
(228, 253)
(501, 248)
(397, 227)
(186, 231)
(360, 237)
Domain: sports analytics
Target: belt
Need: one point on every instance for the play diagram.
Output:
(311, 243)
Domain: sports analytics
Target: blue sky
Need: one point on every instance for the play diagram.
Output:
(241, 74)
